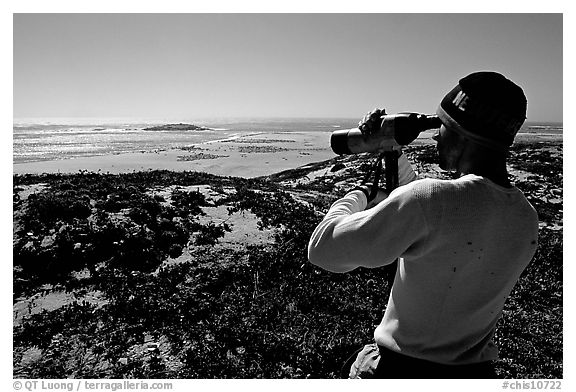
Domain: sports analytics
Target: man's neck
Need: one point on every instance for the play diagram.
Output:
(499, 176)
(483, 162)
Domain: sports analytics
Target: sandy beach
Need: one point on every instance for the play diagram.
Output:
(249, 155)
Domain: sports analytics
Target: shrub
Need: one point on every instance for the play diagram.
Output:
(48, 207)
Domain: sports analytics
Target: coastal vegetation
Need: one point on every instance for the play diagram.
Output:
(134, 275)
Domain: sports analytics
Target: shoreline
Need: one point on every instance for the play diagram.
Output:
(246, 155)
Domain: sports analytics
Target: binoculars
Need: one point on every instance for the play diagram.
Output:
(396, 130)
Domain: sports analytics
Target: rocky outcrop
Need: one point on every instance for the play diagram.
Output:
(177, 127)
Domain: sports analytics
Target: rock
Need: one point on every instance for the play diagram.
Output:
(47, 241)
(177, 127)
(123, 361)
(556, 192)
(31, 356)
(153, 347)
(29, 247)
(338, 166)
(555, 227)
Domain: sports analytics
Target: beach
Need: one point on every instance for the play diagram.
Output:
(244, 148)
(251, 152)
(252, 155)
(248, 155)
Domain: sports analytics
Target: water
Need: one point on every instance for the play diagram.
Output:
(549, 129)
(37, 140)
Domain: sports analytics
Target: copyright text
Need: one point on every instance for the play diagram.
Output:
(84, 385)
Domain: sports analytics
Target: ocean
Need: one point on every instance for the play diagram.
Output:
(36, 140)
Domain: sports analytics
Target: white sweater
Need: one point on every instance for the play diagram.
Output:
(462, 246)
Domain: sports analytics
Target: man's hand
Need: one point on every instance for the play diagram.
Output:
(380, 196)
(373, 198)
(371, 122)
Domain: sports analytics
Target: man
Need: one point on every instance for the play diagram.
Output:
(462, 244)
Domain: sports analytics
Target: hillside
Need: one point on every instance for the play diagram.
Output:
(187, 275)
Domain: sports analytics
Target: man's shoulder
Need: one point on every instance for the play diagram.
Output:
(439, 191)
(432, 185)
(423, 189)
(472, 188)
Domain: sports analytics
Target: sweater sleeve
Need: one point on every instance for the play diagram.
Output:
(349, 237)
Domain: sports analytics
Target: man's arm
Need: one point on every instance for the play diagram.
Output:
(350, 237)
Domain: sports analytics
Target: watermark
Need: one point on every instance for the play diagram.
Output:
(92, 385)
(532, 384)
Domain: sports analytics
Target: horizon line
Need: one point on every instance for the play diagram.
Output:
(204, 118)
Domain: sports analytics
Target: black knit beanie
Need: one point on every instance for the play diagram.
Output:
(486, 108)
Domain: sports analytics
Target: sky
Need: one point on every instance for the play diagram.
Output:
(274, 65)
